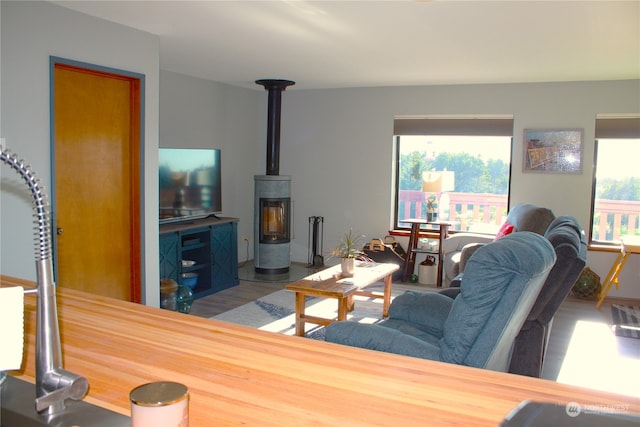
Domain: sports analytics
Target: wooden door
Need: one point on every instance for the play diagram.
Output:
(96, 151)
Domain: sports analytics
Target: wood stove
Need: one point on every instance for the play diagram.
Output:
(272, 200)
(272, 224)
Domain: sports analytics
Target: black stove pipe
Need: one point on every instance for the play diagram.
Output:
(275, 88)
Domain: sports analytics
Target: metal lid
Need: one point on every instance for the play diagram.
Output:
(168, 286)
(161, 393)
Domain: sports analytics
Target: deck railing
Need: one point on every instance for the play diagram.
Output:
(477, 212)
(485, 213)
(613, 218)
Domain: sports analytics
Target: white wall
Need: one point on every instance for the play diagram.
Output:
(31, 33)
(197, 113)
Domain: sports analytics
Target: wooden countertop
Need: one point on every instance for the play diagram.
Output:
(238, 375)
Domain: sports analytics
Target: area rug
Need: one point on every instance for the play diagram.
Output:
(297, 271)
(626, 320)
(276, 312)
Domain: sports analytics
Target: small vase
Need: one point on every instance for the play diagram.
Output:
(348, 265)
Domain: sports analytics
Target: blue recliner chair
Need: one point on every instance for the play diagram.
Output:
(500, 285)
(529, 349)
(570, 244)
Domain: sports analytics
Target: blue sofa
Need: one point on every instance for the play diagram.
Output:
(500, 285)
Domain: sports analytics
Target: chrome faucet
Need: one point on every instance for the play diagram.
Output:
(53, 383)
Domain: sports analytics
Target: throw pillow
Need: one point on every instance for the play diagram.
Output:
(506, 228)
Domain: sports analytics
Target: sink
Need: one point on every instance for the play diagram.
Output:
(18, 410)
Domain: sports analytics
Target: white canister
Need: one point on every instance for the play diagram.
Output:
(428, 272)
(160, 404)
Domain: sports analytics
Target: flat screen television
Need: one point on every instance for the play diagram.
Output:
(190, 183)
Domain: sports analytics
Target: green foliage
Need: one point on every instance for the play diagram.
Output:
(498, 175)
(349, 246)
(618, 189)
(472, 174)
(411, 167)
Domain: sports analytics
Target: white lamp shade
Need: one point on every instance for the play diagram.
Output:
(438, 181)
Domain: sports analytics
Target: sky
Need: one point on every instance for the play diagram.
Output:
(618, 158)
(485, 147)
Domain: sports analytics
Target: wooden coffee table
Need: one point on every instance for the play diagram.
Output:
(330, 283)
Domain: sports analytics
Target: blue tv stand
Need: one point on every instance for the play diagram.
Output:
(211, 242)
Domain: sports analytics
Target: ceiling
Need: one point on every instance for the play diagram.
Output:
(336, 44)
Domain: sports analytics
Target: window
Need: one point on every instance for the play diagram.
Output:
(459, 167)
(616, 190)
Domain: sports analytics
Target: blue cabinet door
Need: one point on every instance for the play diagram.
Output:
(169, 259)
(224, 248)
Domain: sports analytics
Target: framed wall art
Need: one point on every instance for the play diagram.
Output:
(553, 150)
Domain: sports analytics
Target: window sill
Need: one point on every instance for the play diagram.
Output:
(601, 247)
(593, 247)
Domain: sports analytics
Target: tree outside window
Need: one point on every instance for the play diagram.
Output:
(481, 169)
(616, 200)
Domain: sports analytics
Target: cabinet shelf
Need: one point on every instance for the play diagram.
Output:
(193, 268)
(426, 251)
(194, 247)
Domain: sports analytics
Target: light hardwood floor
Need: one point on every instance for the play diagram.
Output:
(582, 349)
(231, 298)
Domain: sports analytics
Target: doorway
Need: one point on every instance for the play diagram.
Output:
(96, 176)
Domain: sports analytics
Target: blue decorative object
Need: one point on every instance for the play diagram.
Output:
(190, 280)
(185, 299)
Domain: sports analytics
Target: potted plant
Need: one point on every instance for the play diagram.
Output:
(348, 250)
